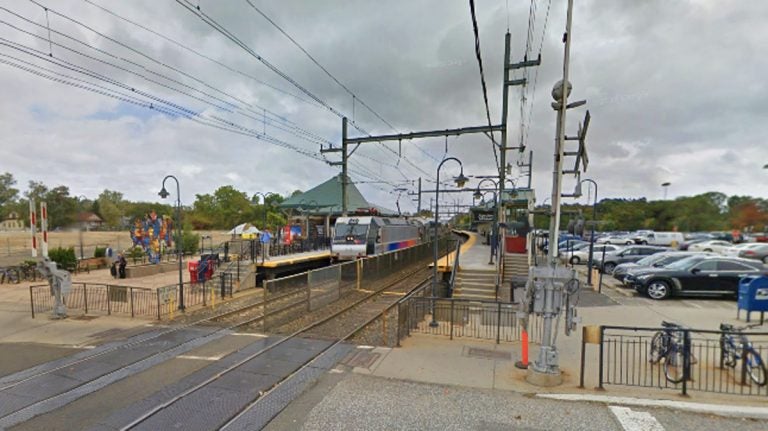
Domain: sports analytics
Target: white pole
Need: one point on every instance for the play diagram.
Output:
(44, 227)
(33, 226)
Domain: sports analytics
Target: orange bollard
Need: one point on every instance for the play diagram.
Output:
(523, 364)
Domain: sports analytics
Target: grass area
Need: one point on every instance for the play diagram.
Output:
(15, 246)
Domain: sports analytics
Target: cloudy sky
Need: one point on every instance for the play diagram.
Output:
(676, 91)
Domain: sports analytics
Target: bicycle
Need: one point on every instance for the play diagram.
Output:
(11, 275)
(667, 344)
(731, 351)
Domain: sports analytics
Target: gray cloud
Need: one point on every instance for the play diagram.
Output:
(675, 90)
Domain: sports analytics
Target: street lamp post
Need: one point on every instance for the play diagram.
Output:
(460, 181)
(665, 186)
(164, 194)
(495, 222)
(264, 197)
(590, 261)
(82, 222)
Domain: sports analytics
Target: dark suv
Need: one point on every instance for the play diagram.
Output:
(628, 254)
(703, 275)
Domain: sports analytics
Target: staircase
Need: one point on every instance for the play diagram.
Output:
(515, 265)
(476, 284)
(515, 273)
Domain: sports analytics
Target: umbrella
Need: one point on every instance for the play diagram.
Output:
(245, 228)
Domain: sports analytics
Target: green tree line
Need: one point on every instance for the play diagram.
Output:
(712, 211)
(223, 209)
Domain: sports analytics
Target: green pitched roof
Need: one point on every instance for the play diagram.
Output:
(327, 198)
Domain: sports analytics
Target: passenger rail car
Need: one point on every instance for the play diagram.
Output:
(364, 236)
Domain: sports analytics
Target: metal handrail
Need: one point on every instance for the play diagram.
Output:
(454, 269)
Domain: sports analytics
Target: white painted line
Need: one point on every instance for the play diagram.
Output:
(715, 409)
(200, 358)
(366, 347)
(250, 334)
(87, 347)
(635, 421)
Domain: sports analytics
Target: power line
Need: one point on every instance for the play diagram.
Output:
(482, 78)
(226, 33)
(198, 53)
(355, 98)
(297, 131)
(536, 74)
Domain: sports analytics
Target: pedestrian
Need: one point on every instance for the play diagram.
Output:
(266, 238)
(121, 265)
(108, 253)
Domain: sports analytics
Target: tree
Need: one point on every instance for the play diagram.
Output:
(8, 194)
(110, 208)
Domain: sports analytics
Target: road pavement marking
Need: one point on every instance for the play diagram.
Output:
(250, 334)
(200, 358)
(738, 411)
(635, 421)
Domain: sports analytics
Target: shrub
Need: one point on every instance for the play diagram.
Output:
(64, 257)
(100, 252)
(190, 241)
(134, 253)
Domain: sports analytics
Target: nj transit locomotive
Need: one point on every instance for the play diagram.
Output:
(365, 236)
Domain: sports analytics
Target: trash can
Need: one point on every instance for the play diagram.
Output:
(515, 244)
(753, 296)
(192, 266)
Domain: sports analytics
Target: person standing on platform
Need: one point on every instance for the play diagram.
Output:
(266, 238)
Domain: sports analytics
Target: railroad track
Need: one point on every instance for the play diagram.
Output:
(44, 404)
(142, 422)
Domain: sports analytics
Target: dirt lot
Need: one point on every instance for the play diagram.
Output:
(15, 246)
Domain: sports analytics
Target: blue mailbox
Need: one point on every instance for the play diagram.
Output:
(753, 296)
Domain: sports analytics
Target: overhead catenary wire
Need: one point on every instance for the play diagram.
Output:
(482, 79)
(536, 73)
(199, 54)
(226, 33)
(355, 97)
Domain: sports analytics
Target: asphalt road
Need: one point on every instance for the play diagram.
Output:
(343, 400)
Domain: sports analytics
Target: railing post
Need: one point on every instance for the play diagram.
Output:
(600, 361)
(686, 359)
(223, 276)
(158, 304)
(32, 301)
(452, 304)
(498, 322)
(130, 290)
(85, 297)
(743, 364)
(205, 303)
(583, 355)
(399, 321)
(109, 302)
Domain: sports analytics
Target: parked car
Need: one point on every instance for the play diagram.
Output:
(581, 256)
(759, 252)
(564, 252)
(697, 275)
(689, 242)
(627, 254)
(658, 260)
(666, 239)
(616, 239)
(734, 250)
(716, 245)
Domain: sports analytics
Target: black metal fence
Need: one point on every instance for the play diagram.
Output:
(160, 303)
(463, 318)
(94, 298)
(683, 359)
(252, 249)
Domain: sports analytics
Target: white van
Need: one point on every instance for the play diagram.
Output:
(666, 239)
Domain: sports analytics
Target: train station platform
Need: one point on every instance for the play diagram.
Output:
(471, 247)
(294, 259)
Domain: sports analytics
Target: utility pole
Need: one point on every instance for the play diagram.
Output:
(550, 284)
(418, 208)
(500, 212)
(344, 157)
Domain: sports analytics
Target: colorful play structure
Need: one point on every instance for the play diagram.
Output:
(154, 234)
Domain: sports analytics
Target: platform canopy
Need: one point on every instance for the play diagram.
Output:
(325, 199)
